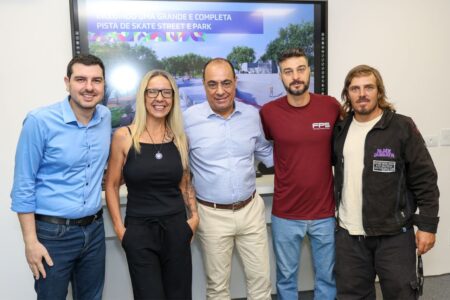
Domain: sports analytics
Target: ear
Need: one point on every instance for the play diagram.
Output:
(67, 83)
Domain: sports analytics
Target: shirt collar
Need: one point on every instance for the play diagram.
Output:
(209, 112)
(69, 116)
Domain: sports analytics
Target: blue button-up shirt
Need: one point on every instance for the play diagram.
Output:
(223, 150)
(60, 162)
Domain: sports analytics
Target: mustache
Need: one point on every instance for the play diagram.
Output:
(363, 98)
(296, 82)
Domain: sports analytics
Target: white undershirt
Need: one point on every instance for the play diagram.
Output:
(350, 209)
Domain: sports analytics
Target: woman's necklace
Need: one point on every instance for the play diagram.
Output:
(158, 154)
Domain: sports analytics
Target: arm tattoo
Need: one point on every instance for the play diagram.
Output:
(188, 194)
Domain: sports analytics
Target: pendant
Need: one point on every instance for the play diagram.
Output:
(158, 155)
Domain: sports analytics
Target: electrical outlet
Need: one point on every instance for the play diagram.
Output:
(431, 141)
(445, 137)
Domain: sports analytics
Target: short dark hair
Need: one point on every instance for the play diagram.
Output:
(292, 52)
(87, 60)
(218, 59)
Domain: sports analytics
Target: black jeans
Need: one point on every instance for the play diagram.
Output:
(359, 259)
(159, 256)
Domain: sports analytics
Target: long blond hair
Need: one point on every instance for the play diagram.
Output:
(364, 70)
(174, 120)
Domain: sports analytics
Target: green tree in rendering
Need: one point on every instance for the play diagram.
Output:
(140, 58)
(294, 35)
(240, 55)
(189, 64)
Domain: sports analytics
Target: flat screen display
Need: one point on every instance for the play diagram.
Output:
(133, 37)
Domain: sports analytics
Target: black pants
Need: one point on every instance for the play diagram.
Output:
(359, 259)
(159, 257)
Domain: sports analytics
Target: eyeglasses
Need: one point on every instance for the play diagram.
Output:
(214, 85)
(153, 93)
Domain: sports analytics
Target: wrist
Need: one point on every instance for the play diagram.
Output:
(194, 219)
(30, 239)
(119, 229)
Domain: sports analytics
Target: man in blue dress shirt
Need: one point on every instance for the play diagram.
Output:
(60, 159)
(225, 136)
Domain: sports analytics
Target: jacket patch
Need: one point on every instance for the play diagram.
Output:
(384, 166)
(385, 152)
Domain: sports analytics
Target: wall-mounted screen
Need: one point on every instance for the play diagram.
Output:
(133, 37)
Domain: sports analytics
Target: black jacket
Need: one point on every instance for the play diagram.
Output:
(398, 176)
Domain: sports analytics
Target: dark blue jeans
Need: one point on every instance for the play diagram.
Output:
(78, 254)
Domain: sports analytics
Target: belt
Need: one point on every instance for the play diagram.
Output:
(62, 221)
(232, 206)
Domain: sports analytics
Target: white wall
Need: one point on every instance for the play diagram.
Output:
(407, 40)
(35, 47)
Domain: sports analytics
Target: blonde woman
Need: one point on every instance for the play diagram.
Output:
(152, 157)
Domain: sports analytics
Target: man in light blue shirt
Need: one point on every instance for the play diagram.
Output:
(60, 159)
(225, 136)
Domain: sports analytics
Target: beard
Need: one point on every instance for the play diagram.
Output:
(296, 92)
(366, 110)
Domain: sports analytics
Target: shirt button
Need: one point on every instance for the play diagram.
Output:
(87, 183)
(89, 165)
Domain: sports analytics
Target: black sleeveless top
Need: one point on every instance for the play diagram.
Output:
(153, 184)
